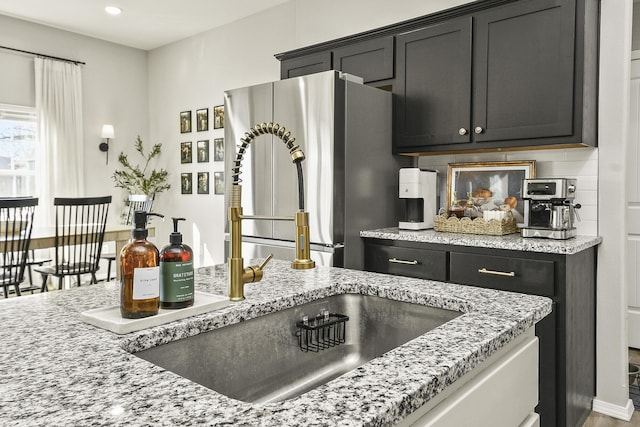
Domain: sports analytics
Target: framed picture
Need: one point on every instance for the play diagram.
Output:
(203, 182)
(489, 185)
(218, 149)
(185, 122)
(203, 151)
(186, 183)
(218, 117)
(186, 152)
(202, 119)
(218, 182)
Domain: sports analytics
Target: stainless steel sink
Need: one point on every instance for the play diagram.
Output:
(260, 360)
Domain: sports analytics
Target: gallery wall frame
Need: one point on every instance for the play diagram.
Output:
(202, 119)
(218, 182)
(218, 149)
(186, 152)
(218, 117)
(203, 182)
(202, 151)
(185, 121)
(186, 183)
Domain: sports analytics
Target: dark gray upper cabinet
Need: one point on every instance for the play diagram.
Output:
(524, 71)
(308, 64)
(371, 59)
(432, 91)
(487, 75)
(529, 84)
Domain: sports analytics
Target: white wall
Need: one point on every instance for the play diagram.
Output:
(114, 84)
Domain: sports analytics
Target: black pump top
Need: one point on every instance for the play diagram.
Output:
(140, 224)
(175, 238)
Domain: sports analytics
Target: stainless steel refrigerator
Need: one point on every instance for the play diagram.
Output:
(350, 175)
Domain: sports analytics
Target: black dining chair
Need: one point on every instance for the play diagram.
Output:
(80, 226)
(16, 223)
(137, 202)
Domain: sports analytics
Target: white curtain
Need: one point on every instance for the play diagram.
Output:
(59, 166)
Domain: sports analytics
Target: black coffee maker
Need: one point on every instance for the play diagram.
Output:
(550, 211)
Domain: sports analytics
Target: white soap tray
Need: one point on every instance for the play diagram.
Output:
(109, 318)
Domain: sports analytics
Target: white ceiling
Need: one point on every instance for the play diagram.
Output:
(143, 24)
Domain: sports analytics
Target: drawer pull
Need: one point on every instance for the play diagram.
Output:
(497, 273)
(401, 261)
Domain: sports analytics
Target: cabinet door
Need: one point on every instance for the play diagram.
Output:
(433, 85)
(372, 59)
(308, 64)
(523, 71)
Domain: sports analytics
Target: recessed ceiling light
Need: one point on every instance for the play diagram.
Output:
(113, 10)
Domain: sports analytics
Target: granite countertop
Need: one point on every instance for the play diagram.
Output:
(57, 370)
(513, 242)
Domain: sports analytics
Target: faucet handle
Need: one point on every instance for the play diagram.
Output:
(266, 260)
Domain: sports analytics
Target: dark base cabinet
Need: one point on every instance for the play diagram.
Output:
(567, 335)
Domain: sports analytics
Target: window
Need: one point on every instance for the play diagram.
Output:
(18, 144)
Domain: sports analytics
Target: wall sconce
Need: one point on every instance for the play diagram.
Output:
(107, 133)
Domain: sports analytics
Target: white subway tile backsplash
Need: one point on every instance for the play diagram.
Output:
(537, 155)
(481, 157)
(589, 153)
(574, 169)
(587, 228)
(587, 197)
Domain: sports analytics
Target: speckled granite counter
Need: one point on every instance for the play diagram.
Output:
(510, 241)
(57, 370)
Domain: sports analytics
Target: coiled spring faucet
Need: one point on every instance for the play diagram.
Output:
(238, 274)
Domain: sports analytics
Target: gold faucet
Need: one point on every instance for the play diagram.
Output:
(238, 274)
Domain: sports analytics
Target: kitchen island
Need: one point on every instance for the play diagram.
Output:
(57, 370)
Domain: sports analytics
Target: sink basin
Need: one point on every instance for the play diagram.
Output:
(260, 360)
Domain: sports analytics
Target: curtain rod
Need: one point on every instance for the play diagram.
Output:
(42, 55)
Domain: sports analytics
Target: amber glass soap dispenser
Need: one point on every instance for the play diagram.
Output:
(176, 272)
(139, 272)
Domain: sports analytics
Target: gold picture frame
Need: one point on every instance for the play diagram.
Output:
(490, 184)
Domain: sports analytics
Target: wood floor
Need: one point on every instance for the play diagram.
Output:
(598, 420)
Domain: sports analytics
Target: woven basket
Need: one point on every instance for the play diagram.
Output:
(492, 227)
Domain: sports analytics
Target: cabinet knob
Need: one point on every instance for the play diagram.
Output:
(478, 129)
(462, 131)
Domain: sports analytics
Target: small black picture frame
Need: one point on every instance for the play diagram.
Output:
(218, 182)
(185, 121)
(186, 183)
(203, 182)
(202, 149)
(202, 119)
(218, 117)
(218, 149)
(186, 152)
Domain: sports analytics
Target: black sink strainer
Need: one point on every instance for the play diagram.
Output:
(321, 332)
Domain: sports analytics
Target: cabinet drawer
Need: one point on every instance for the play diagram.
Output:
(409, 262)
(530, 276)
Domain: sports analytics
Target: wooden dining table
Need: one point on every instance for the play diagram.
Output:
(44, 237)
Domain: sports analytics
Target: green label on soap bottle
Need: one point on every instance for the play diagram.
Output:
(176, 281)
